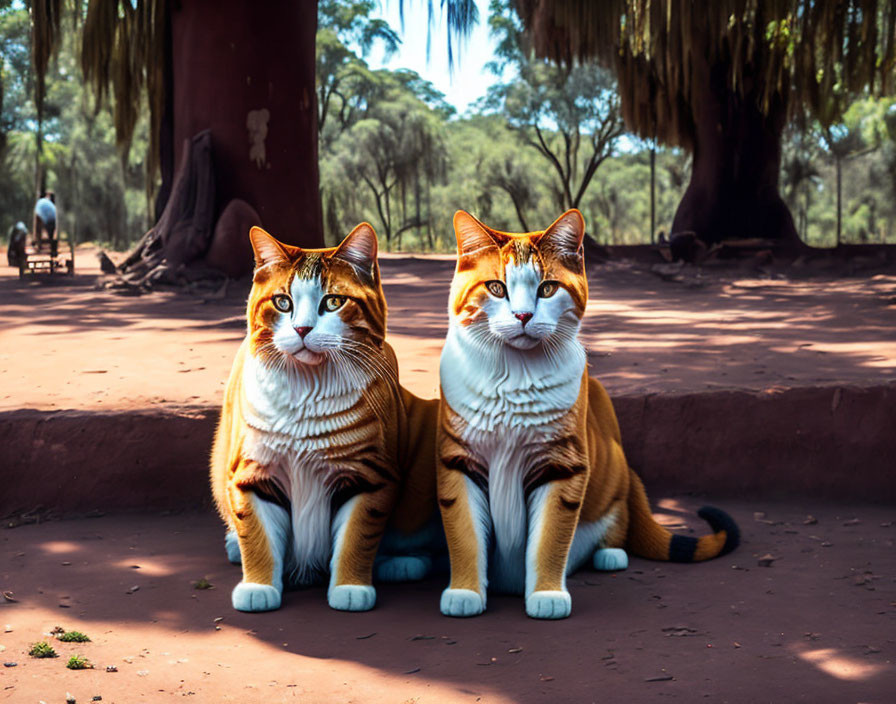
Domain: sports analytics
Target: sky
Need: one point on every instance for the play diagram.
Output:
(469, 80)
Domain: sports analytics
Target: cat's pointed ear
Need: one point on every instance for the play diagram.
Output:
(359, 248)
(564, 236)
(267, 249)
(471, 234)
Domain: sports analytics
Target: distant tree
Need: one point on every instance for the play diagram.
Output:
(568, 114)
(387, 153)
(513, 176)
(344, 82)
(844, 141)
(100, 197)
(800, 176)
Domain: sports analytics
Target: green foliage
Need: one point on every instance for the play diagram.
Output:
(395, 153)
(73, 637)
(863, 147)
(99, 197)
(42, 650)
(381, 134)
(78, 662)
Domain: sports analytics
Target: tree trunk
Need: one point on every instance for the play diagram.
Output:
(653, 192)
(839, 168)
(733, 191)
(246, 71)
(167, 157)
(519, 213)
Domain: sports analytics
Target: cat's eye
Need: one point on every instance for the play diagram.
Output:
(282, 303)
(496, 288)
(331, 303)
(547, 289)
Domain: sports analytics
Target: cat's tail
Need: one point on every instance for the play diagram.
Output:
(649, 539)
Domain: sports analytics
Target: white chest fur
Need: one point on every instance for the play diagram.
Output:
(510, 400)
(292, 417)
(497, 387)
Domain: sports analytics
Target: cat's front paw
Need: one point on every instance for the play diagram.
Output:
(461, 603)
(610, 559)
(251, 596)
(351, 597)
(404, 568)
(232, 546)
(548, 604)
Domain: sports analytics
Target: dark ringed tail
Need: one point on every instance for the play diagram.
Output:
(647, 538)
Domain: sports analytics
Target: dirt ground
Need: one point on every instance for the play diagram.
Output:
(70, 346)
(816, 625)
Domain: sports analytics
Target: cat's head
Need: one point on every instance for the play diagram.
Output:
(310, 304)
(519, 289)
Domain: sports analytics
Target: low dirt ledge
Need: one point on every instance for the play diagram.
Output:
(827, 442)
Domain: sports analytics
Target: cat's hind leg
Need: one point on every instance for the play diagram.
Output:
(610, 559)
(262, 529)
(610, 555)
(232, 547)
(405, 557)
(402, 568)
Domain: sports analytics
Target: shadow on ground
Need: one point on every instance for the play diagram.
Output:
(815, 626)
(733, 331)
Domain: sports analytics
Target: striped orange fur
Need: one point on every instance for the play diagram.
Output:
(532, 478)
(319, 451)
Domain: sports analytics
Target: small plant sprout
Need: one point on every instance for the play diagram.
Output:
(202, 583)
(73, 637)
(78, 662)
(42, 650)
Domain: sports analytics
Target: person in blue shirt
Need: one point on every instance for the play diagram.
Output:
(45, 216)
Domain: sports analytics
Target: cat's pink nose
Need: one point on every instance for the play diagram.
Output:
(304, 330)
(523, 317)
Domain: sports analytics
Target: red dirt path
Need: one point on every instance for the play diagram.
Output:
(70, 346)
(817, 626)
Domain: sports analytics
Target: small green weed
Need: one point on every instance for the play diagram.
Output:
(78, 662)
(202, 584)
(42, 650)
(73, 637)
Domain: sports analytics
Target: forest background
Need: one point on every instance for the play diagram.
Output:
(394, 152)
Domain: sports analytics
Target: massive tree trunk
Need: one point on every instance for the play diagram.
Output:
(733, 192)
(246, 72)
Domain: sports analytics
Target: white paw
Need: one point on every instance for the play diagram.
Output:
(232, 546)
(251, 596)
(461, 603)
(548, 604)
(351, 597)
(610, 559)
(406, 568)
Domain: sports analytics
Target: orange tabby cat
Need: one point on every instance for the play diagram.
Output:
(532, 479)
(319, 449)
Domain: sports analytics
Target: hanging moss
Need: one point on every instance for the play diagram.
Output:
(122, 54)
(810, 57)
